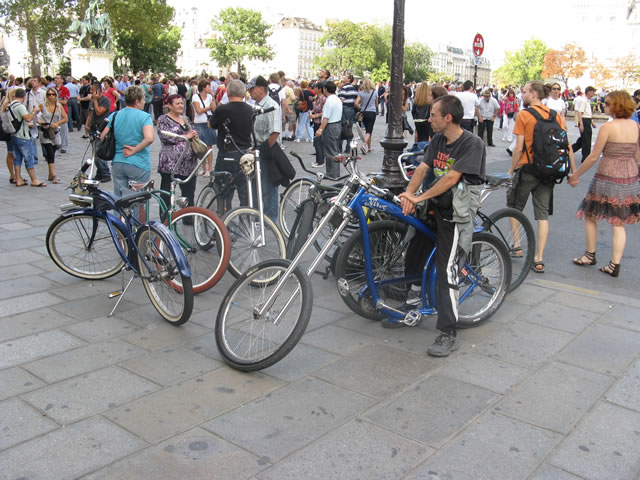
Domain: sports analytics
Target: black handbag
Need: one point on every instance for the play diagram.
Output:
(107, 147)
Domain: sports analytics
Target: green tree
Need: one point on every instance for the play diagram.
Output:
(417, 62)
(242, 34)
(44, 23)
(158, 56)
(523, 65)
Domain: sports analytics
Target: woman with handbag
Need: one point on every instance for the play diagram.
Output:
(367, 102)
(509, 107)
(172, 148)
(133, 132)
(49, 119)
(203, 105)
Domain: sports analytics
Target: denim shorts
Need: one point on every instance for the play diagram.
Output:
(9, 146)
(22, 152)
(206, 134)
(122, 173)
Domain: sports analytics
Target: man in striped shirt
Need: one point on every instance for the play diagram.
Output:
(348, 94)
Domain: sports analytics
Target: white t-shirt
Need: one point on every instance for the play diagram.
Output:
(558, 105)
(201, 117)
(583, 106)
(469, 103)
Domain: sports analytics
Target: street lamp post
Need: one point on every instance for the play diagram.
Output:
(394, 142)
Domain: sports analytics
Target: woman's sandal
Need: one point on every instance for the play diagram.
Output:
(516, 252)
(612, 269)
(587, 258)
(538, 267)
(363, 149)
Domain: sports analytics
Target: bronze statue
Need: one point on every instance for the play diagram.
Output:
(94, 30)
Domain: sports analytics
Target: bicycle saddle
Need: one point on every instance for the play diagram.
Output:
(129, 200)
(498, 179)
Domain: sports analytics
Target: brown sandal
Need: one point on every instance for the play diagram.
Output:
(589, 256)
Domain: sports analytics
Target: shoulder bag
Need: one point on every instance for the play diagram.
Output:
(50, 132)
(107, 146)
(360, 114)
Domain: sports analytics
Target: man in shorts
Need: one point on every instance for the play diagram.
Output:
(525, 180)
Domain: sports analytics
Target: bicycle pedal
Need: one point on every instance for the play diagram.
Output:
(412, 318)
(116, 294)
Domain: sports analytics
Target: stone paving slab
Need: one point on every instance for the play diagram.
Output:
(338, 340)
(357, 451)
(27, 349)
(69, 452)
(494, 448)
(196, 455)
(604, 445)
(288, 419)
(561, 317)
(16, 381)
(24, 303)
(547, 472)
(99, 329)
(90, 394)
(28, 323)
(20, 422)
(555, 397)
(623, 316)
(626, 392)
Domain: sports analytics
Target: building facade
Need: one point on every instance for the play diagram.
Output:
(459, 64)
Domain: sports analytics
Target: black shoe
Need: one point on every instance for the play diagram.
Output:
(509, 152)
(443, 345)
(105, 179)
(392, 323)
(492, 145)
(71, 130)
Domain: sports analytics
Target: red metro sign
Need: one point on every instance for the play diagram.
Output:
(478, 45)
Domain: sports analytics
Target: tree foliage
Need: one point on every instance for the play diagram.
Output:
(568, 62)
(242, 34)
(523, 65)
(628, 69)
(159, 56)
(44, 23)
(600, 74)
(360, 47)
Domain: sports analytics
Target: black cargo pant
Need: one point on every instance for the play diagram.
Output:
(488, 124)
(447, 272)
(584, 142)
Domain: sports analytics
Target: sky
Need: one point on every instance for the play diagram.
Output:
(504, 25)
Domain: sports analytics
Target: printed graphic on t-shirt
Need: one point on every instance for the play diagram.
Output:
(442, 164)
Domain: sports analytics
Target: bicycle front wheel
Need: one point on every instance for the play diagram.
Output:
(249, 245)
(210, 199)
(388, 257)
(302, 227)
(515, 230)
(205, 242)
(82, 245)
(170, 292)
(292, 197)
(484, 281)
(249, 341)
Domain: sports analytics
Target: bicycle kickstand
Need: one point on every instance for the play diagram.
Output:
(120, 293)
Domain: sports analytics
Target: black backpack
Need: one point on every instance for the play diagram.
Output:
(273, 93)
(550, 148)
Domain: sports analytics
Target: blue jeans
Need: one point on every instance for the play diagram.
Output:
(74, 113)
(269, 194)
(122, 173)
(22, 152)
(304, 126)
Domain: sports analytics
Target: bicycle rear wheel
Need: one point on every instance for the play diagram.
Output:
(82, 245)
(484, 281)
(388, 256)
(301, 228)
(250, 342)
(515, 230)
(210, 199)
(206, 244)
(292, 197)
(170, 292)
(244, 230)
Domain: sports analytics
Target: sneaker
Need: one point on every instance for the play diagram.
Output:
(317, 165)
(443, 345)
(413, 298)
(63, 151)
(509, 152)
(105, 179)
(297, 140)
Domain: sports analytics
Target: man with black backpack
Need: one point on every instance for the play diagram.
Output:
(542, 157)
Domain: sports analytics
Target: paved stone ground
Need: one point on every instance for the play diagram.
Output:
(549, 388)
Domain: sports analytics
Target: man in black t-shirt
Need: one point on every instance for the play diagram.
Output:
(236, 115)
(454, 155)
(84, 98)
(98, 113)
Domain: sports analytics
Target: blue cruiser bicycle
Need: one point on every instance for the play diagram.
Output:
(259, 323)
(81, 241)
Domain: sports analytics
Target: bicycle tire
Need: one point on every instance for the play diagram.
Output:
(291, 198)
(488, 258)
(242, 223)
(210, 199)
(206, 244)
(302, 227)
(66, 241)
(521, 235)
(158, 269)
(388, 261)
(248, 343)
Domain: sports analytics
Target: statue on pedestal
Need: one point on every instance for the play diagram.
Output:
(94, 29)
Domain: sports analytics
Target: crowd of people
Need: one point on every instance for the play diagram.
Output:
(451, 121)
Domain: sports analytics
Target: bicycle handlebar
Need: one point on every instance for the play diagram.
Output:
(332, 179)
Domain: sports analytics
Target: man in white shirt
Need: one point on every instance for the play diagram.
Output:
(469, 101)
(330, 128)
(583, 118)
(488, 109)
